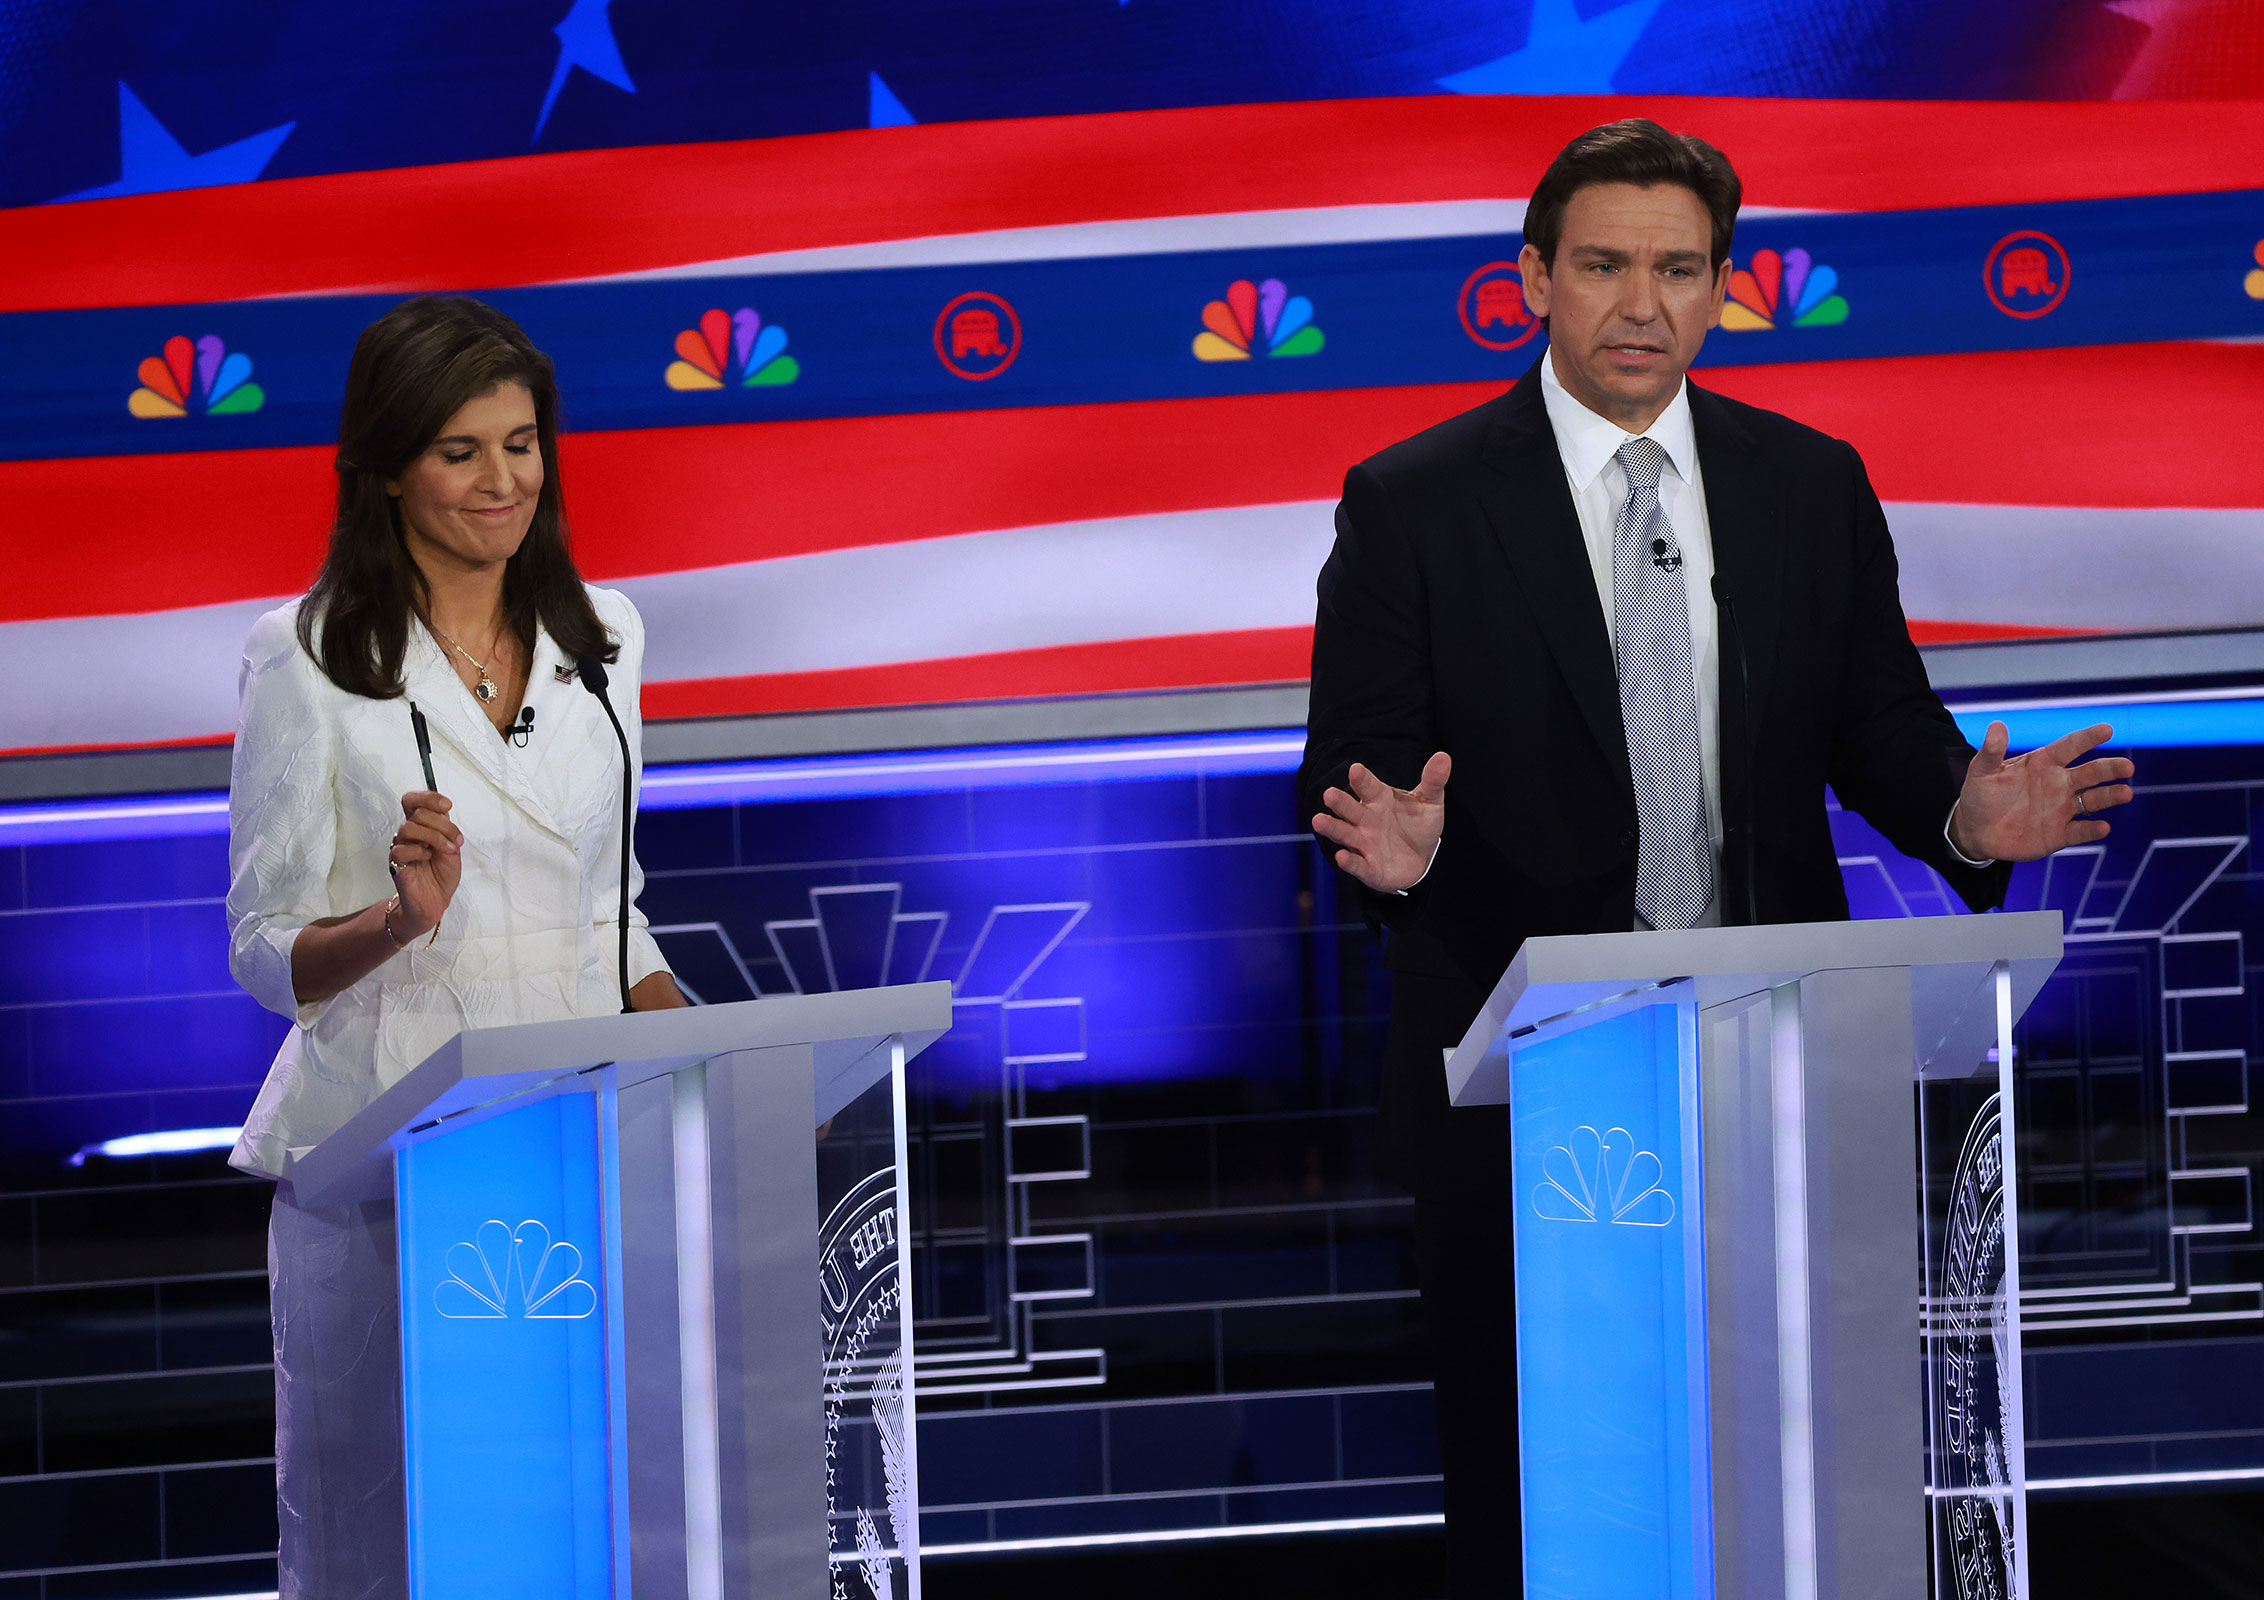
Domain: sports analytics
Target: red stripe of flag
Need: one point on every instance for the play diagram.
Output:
(1926, 630)
(201, 741)
(1204, 660)
(1183, 661)
(1250, 657)
(596, 212)
(2107, 426)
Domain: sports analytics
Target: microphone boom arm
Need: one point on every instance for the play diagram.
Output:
(592, 673)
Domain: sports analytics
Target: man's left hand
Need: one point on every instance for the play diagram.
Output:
(2026, 807)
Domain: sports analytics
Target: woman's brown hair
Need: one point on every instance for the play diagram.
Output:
(413, 369)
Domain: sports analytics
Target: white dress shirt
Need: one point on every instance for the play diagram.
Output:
(1589, 445)
(313, 802)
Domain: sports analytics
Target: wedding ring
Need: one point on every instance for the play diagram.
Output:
(2082, 804)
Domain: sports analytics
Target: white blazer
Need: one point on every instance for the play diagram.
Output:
(314, 799)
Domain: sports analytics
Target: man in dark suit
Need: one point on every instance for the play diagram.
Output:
(1547, 600)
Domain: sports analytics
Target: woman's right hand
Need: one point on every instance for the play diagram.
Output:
(427, 858)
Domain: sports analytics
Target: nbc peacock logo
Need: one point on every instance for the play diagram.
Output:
(732, 348)
(1788, 288)
(1258, 317)
(196, 377)
(1602, 1177)
(502, 1271)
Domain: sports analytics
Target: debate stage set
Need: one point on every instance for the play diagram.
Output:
(962, 394)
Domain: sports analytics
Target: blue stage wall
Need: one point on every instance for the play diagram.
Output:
(1165, 958)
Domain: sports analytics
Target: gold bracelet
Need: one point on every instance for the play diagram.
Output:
(392, 906)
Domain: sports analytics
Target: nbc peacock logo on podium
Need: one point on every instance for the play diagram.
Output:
(1602, 1177)
(502, 1271)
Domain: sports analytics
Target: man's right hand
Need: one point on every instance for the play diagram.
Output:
(1385, 836)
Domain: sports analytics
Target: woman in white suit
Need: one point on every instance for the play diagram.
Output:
(383, 913)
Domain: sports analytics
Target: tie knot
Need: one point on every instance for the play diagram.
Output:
(1642, 460)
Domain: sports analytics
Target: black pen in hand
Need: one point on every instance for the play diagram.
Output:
(424, 758)
(424, 745)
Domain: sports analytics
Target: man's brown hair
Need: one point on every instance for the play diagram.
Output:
(1638, 151)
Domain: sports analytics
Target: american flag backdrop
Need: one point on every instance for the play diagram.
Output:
(1060, 405)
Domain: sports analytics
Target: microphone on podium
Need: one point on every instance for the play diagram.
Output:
(592, 673)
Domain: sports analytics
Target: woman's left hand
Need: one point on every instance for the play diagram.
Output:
(656, 991)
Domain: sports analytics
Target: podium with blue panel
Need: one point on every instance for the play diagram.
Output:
(1767, 1341)
(655, 1319)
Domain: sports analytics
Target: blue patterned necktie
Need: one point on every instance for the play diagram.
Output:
(1658, 701)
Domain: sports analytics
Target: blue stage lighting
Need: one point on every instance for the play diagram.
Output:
(172, 1142)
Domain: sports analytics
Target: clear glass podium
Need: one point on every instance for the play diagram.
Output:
(655, 1327)
(1767, 1341)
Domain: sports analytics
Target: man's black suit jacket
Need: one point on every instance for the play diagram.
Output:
(1458, 612)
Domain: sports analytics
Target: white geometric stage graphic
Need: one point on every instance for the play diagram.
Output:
(1602, 1177)
(2180, 950)
(1041, 1264)
(514, 1272)
(859, 936)
(856, 937)
(2199, 1068)
(707, 949)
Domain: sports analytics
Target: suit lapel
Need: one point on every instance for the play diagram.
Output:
(1529, 506)
(449, 709)
(551, 698)
(1745, 511)
(456, 718)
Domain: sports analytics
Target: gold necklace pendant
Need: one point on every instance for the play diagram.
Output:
(483, 691)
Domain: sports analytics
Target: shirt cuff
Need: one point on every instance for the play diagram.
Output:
(1427, 866)
(1952, 843)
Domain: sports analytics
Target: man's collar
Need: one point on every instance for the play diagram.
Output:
(1588, 442)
